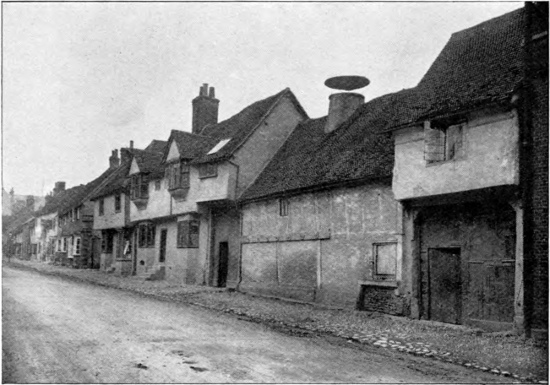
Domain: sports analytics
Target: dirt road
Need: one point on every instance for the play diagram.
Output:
(61, 331)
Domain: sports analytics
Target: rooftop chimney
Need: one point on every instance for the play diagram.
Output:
(131, 144)
(205, 108)
(114, 161)
(343, 104)
(59, 187)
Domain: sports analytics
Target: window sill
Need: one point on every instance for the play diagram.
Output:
(187, 247)
(440, 162)
(208, 176)
(389, 284)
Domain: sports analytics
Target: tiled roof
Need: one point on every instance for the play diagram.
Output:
(54, 203)
(83, 194)
(117, 182)
(478, 66)
(156, 146)
(355, 151)
(241, 125)
(150, 162)
(190, 145)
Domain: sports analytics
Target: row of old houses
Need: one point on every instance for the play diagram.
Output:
(430, 202)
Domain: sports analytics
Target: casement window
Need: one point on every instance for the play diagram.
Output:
(443, 143)
(157, 185)
(188, 234)
(283, 207)
(178, 175)
(77, 245)
(117, 203)
(65, 243)
(385, 261)
(146, 235)
(107, 242)
(77, 213)
(101, 207)
(139, 186)
(208, 170)
(59, 247)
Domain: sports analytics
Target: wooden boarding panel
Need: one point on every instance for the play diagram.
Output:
(445, 284)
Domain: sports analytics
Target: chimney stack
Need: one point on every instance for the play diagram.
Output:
(131, 144)
(59, 187)
(114, 161)
(343, 104)
(205, 108)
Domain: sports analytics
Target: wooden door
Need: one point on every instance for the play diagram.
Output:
(162, 255)
(445, 285)
(223, 259)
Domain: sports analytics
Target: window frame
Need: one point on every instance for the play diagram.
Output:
(208, 170)
(118, 203)
(146, 235)
(188, 234)
(375, 262)
(284, 205)
(101, 208)
(178, 174)
(139, 186)
(77, 245)
(438, 147)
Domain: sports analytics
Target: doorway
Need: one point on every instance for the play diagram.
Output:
(445, 284)
(162, 255)
(223, 260)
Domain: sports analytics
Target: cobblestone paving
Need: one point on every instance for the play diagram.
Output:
(385, 332)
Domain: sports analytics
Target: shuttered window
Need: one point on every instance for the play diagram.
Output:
(442, 144)
(188, 234)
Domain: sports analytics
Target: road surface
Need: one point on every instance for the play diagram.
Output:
(58, 331)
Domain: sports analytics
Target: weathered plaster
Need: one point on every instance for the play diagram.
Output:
(326, 241)
(490, 158)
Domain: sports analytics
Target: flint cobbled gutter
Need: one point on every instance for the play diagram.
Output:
(188, 294)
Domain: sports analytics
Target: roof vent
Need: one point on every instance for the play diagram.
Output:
(343, 104)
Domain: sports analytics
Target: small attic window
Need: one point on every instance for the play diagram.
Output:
(218, 146)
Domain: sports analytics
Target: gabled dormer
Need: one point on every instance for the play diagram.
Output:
(139, 185)
(182, 148)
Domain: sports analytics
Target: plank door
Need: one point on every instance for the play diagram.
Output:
(445, 284)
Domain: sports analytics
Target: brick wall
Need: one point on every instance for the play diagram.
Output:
(540, 203)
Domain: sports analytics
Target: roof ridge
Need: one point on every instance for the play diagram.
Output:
(489, 21)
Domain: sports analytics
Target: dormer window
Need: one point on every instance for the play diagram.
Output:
(178, 179)
(208, 170)
(443, 142)
(139, 186)
(178, 175)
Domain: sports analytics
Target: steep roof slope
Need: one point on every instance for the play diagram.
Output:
(190, 145)
(83, 194)
(354, 151)
(156, 145)
(241, 125)
(478, 66)
(54, 203)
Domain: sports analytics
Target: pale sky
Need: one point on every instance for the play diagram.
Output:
(81, 79)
